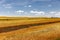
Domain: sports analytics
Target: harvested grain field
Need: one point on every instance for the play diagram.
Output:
(29, 28)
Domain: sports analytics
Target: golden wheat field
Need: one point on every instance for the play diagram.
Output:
(23, 28)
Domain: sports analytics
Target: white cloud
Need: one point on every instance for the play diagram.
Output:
(20, 11)
(49, 5)
(28, 6)
(52, 12)
(7, 5)
(46, 14)
(37, 12)
(57, 14)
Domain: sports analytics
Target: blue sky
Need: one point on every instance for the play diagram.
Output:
(40, 8)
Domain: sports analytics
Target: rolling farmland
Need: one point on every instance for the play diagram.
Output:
(17, 28)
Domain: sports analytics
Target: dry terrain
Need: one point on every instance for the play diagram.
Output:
(17, 28)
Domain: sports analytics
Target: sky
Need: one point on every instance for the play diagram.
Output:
(30, 8)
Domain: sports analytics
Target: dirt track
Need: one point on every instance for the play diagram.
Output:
(12, 28)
